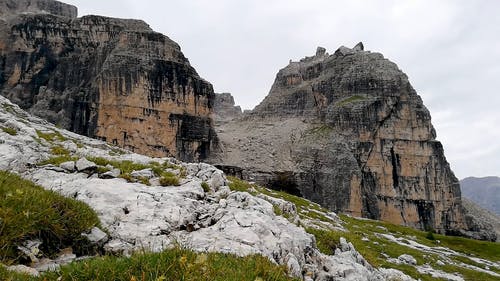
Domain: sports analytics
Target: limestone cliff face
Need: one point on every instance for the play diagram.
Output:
(113, 79)
(225, 109)
(348, 131)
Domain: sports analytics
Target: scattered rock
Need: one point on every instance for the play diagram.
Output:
(146, 173)
(24, 270)
(86, 166)
(68, 166)
(96, 236)
(30, 249)
(407, 259)
(46, 265)
(111, 174)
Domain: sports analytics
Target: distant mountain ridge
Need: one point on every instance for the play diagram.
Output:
(484, 191)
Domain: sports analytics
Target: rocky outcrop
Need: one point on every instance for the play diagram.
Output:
(481, 219)
(12, 8)
(112, 79)
(484, 191)
(152, 217)
(348, 131)
(224, 108)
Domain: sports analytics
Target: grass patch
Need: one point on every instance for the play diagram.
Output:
(126, 167)
(326, 241)
(51, 137)
(351, 99)
(205, 186)
(236, 184)
(169, 179)
(59, 150)
(29, 212)
(374, 249)
(58, 160)
(10, 131)
(175, 264)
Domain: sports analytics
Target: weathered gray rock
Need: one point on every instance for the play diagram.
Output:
(68, 166)
(407, 259)
(111, 174)
(146, 173)
(96, 236)
(140, 217)
(225, 109)
(30, 249)
(11, 8)
(23, 269)
(84, 165)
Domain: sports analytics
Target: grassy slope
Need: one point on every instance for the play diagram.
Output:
(28, 212)
(378, 246)
(175, 264)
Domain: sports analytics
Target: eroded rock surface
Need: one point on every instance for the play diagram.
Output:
(225, 109)
(154, 217)
(112, 79)
(347, 131)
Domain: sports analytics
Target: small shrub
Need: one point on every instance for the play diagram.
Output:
(430, 235)
(10, 131)
(277, 210)
(144, 180)
(205, 186)
(102, 170)
(127, 177)
(169, 179)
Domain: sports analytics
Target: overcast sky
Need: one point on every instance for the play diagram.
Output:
(449, 49)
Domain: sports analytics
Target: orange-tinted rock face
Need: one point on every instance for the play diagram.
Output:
(112, 79)
(362, 142)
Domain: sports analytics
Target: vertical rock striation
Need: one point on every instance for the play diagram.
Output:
(113, 79)
(348, 131)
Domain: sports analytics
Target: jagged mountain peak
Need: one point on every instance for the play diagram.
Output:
(12, 8)
(348, 131)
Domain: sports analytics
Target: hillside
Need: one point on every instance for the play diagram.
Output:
(153, 204)
(484, 191)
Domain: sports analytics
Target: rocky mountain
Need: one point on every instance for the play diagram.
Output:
(484, 191)
(204, 211)
(140, 212)
(349, 132)
(112, 79)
